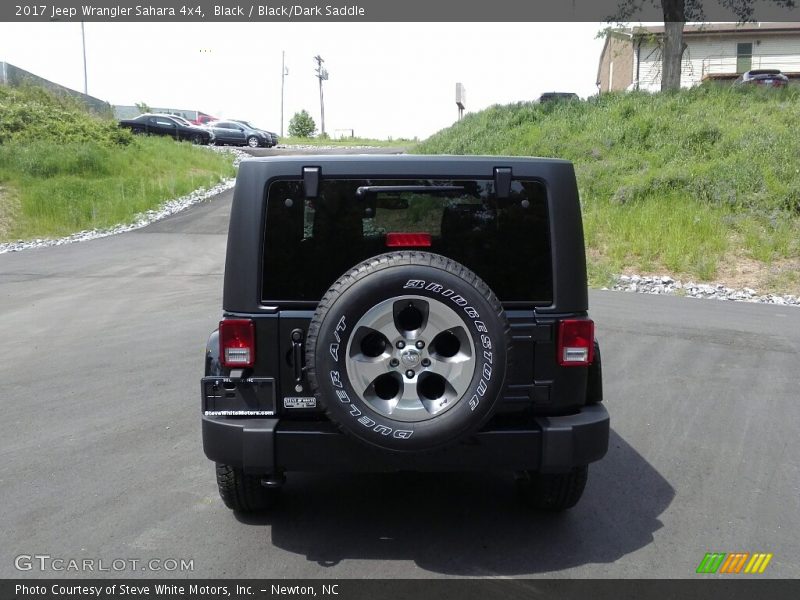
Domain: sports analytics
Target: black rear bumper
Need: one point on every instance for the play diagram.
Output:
(267, 445)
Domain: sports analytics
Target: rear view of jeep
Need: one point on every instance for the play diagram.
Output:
(401, 313)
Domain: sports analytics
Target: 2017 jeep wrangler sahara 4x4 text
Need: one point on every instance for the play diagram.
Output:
(387, 313)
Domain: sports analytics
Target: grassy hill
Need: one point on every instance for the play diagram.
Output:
(63, 169)
(701, 183)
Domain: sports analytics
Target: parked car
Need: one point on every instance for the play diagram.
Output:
(189, 123)
(765, 77)
(179, 119)
(203, 118)
(175, 127)
(370, 309)
(556, 96)
(236, 133)
(272, 134)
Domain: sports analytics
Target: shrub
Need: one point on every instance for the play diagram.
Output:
(302, 125)
(32, 114)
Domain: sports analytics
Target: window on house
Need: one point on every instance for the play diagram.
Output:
(744, 57)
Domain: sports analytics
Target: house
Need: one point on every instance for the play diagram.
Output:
(631, 57)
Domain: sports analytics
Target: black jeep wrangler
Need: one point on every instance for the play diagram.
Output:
(404, 313)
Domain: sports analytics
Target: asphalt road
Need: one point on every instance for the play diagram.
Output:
(101, 454)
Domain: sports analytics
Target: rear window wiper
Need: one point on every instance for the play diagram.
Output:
(366, 190)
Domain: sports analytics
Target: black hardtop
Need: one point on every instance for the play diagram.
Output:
(412, 164)
(245, 235)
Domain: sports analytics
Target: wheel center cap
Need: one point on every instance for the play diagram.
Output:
(410, 358)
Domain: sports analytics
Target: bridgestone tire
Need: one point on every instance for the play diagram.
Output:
(447, 290)
(244, 493)
(553, 491)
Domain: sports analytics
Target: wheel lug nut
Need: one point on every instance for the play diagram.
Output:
(410, 374)
(401, 344)
(394, 362)
(426, 362)
(420, 344)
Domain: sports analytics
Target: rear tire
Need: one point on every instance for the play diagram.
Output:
(408, 352)
(242, 492)
(552, 492)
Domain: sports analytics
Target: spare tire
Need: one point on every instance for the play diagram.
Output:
(408, 351)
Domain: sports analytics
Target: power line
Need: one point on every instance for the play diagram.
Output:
(322, 74)
(85, 78)
(284, 73)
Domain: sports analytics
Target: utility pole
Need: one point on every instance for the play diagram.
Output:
(322, 75)
(85, 80)
(284, 73)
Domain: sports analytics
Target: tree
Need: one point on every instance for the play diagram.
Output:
(142, 107)
(302, 125)
(676, 14)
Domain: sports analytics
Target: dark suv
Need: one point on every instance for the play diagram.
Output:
(763, 77)
(404, 313)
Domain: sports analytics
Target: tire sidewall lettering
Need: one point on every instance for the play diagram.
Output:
(341, 335)
(332, 348)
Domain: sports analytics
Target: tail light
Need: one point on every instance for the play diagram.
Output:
(237, 343)
(575, 342)
(408, 240)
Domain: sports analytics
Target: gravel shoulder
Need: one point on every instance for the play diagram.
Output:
(666, 285)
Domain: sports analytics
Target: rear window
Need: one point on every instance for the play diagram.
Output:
(309, 244)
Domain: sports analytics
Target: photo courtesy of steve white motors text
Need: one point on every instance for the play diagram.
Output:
(172, 590)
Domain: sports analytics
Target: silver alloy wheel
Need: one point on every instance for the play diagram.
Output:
(252, 141)
(410, 358)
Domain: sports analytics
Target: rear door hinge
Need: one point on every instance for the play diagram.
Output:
(311, 177)
(502, 181)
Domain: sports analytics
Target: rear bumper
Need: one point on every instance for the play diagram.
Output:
(266, 445)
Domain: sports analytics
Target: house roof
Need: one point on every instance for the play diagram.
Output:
(718, 28)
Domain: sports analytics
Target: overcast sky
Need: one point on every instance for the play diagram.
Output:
(386, 79)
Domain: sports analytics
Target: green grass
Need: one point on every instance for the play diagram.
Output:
(317, 141)
(683, 182)
(685, 239)
(61, 189)
(32, 113)
(56, 179)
